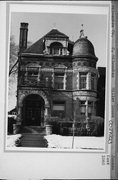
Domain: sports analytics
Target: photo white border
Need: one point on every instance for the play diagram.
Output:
(64, 7)
(27, 165)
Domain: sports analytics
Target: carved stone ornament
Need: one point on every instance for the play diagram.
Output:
(24, 93)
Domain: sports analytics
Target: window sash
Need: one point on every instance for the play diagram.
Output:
(58, 107)
(56, 51)
(59, 81)
(83, 80)
(33, 73)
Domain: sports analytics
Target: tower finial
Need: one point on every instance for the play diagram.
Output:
(82, 32)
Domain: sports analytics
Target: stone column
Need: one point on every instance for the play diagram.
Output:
(65, 81)
(86, 113)
(46, 115)
(63, 51)
(53, 79)
(78, 81)
(46, 111)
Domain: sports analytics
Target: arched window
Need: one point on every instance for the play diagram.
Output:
(56, 48)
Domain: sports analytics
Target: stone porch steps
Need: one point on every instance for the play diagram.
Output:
(33, 137)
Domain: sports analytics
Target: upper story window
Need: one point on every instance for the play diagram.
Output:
(83, 80)
(87, 80)
(56, 48)
(33, 73)
(59, 80)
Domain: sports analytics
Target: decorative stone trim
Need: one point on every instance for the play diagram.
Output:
(24, 93)
(86, 69)
(85, 93)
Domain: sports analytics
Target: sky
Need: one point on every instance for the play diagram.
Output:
(95, 28)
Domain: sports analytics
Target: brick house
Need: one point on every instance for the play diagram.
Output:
(56, 78)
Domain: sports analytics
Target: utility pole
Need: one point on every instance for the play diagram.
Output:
(73, 128)
(86, 115)
(76, 110)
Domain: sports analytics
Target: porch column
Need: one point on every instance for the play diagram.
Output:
(78, 81)
(46, 114)
(46, 111)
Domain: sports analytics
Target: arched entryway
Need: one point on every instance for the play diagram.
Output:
(33, 110)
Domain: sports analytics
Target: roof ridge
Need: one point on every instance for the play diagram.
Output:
(56, 32)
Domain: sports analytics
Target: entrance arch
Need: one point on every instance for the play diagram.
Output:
(33, 110)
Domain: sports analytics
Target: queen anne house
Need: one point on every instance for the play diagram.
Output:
(56, 78)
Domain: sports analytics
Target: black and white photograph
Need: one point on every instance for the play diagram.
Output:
(58, 98)
(57, 75)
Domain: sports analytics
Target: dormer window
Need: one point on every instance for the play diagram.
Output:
(56, 48)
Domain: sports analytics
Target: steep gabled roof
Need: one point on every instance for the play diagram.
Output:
(38, 46)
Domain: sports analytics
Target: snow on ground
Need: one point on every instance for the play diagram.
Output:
(11, 140)
(65, 142)
(83, 142)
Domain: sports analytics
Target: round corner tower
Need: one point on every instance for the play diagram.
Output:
(85, 75)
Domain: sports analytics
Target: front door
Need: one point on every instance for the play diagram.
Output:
(33, 108)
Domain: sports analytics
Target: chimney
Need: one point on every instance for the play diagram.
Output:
(23, 36)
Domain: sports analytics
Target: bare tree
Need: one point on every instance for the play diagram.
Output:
(13, 60)
(13, 71)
